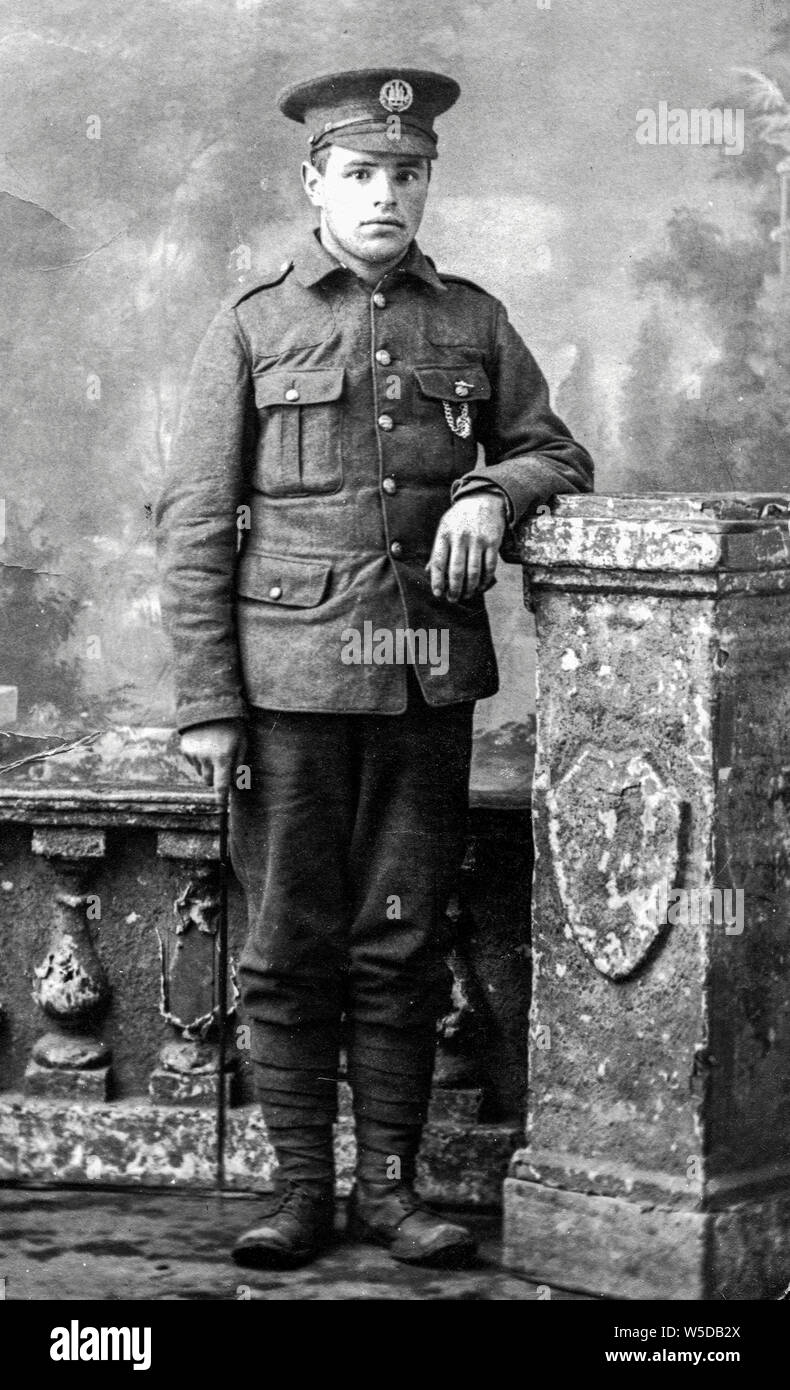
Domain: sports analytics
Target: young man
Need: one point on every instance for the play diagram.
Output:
(339, 401)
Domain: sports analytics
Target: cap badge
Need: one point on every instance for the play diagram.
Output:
(396, 95)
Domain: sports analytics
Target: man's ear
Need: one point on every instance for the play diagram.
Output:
(313, 184)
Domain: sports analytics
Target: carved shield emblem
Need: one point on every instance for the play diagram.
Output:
(614, 829)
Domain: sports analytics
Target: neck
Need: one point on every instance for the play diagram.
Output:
(369, 272)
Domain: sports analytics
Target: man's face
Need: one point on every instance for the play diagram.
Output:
(371, 204)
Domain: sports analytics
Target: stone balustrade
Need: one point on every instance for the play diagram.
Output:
(112, 990)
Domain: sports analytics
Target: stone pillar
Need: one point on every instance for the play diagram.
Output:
(70, 1061)
(188, 1070)
(657, 1162)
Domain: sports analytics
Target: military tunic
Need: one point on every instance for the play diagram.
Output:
(327, 428)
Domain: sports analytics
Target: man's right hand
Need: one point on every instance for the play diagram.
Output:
(212, 749)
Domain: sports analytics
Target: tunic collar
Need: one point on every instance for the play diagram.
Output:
(313, 263)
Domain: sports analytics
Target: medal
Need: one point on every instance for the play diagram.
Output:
(461, 423)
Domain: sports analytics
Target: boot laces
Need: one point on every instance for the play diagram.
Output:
(410, 1202)
(290, 1196)
(407, 1200)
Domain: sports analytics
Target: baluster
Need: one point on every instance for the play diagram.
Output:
(70, 1060)
(190, 992)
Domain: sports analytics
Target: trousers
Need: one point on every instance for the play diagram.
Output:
(347, 842)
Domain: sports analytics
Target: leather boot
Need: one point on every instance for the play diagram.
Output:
(392, 1214)
(298, 1224)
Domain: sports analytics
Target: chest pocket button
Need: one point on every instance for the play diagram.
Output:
(447, 384)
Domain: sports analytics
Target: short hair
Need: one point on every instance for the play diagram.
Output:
(320, 158)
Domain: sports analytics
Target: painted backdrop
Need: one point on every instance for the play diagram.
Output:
(144, 171)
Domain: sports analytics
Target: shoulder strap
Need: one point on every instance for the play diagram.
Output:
(461, 280)
(263, 280)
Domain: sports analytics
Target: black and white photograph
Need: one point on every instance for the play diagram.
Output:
(395, 663)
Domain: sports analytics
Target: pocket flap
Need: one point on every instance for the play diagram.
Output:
(301, 387)
(281, 580)
(454, 383)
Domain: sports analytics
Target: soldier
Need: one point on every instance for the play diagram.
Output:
(341, 398)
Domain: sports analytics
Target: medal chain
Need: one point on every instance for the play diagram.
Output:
(463, 425)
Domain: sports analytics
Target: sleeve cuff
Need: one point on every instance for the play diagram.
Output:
(207, 712)
(464, 487)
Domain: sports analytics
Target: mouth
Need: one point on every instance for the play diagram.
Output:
(383, 222)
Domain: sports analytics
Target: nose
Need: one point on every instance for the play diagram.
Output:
(384, 190)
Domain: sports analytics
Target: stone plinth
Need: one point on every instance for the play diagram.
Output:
(59, 1083)
(657, 1162)
(188, 1075)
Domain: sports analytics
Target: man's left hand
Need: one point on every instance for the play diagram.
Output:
(464, 556)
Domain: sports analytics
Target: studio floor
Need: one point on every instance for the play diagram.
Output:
(108, 1245)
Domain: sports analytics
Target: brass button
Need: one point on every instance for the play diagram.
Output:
(292, 394)
(275, 591)
(379, 300)
(461, 388)
(383, 357)
(389, 485)
(396, 548)
(386, 422)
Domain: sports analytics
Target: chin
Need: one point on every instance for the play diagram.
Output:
(382, 248)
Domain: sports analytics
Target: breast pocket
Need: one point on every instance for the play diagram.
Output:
(300, 444)
(449, 398)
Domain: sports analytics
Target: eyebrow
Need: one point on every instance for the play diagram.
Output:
(372, 164)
